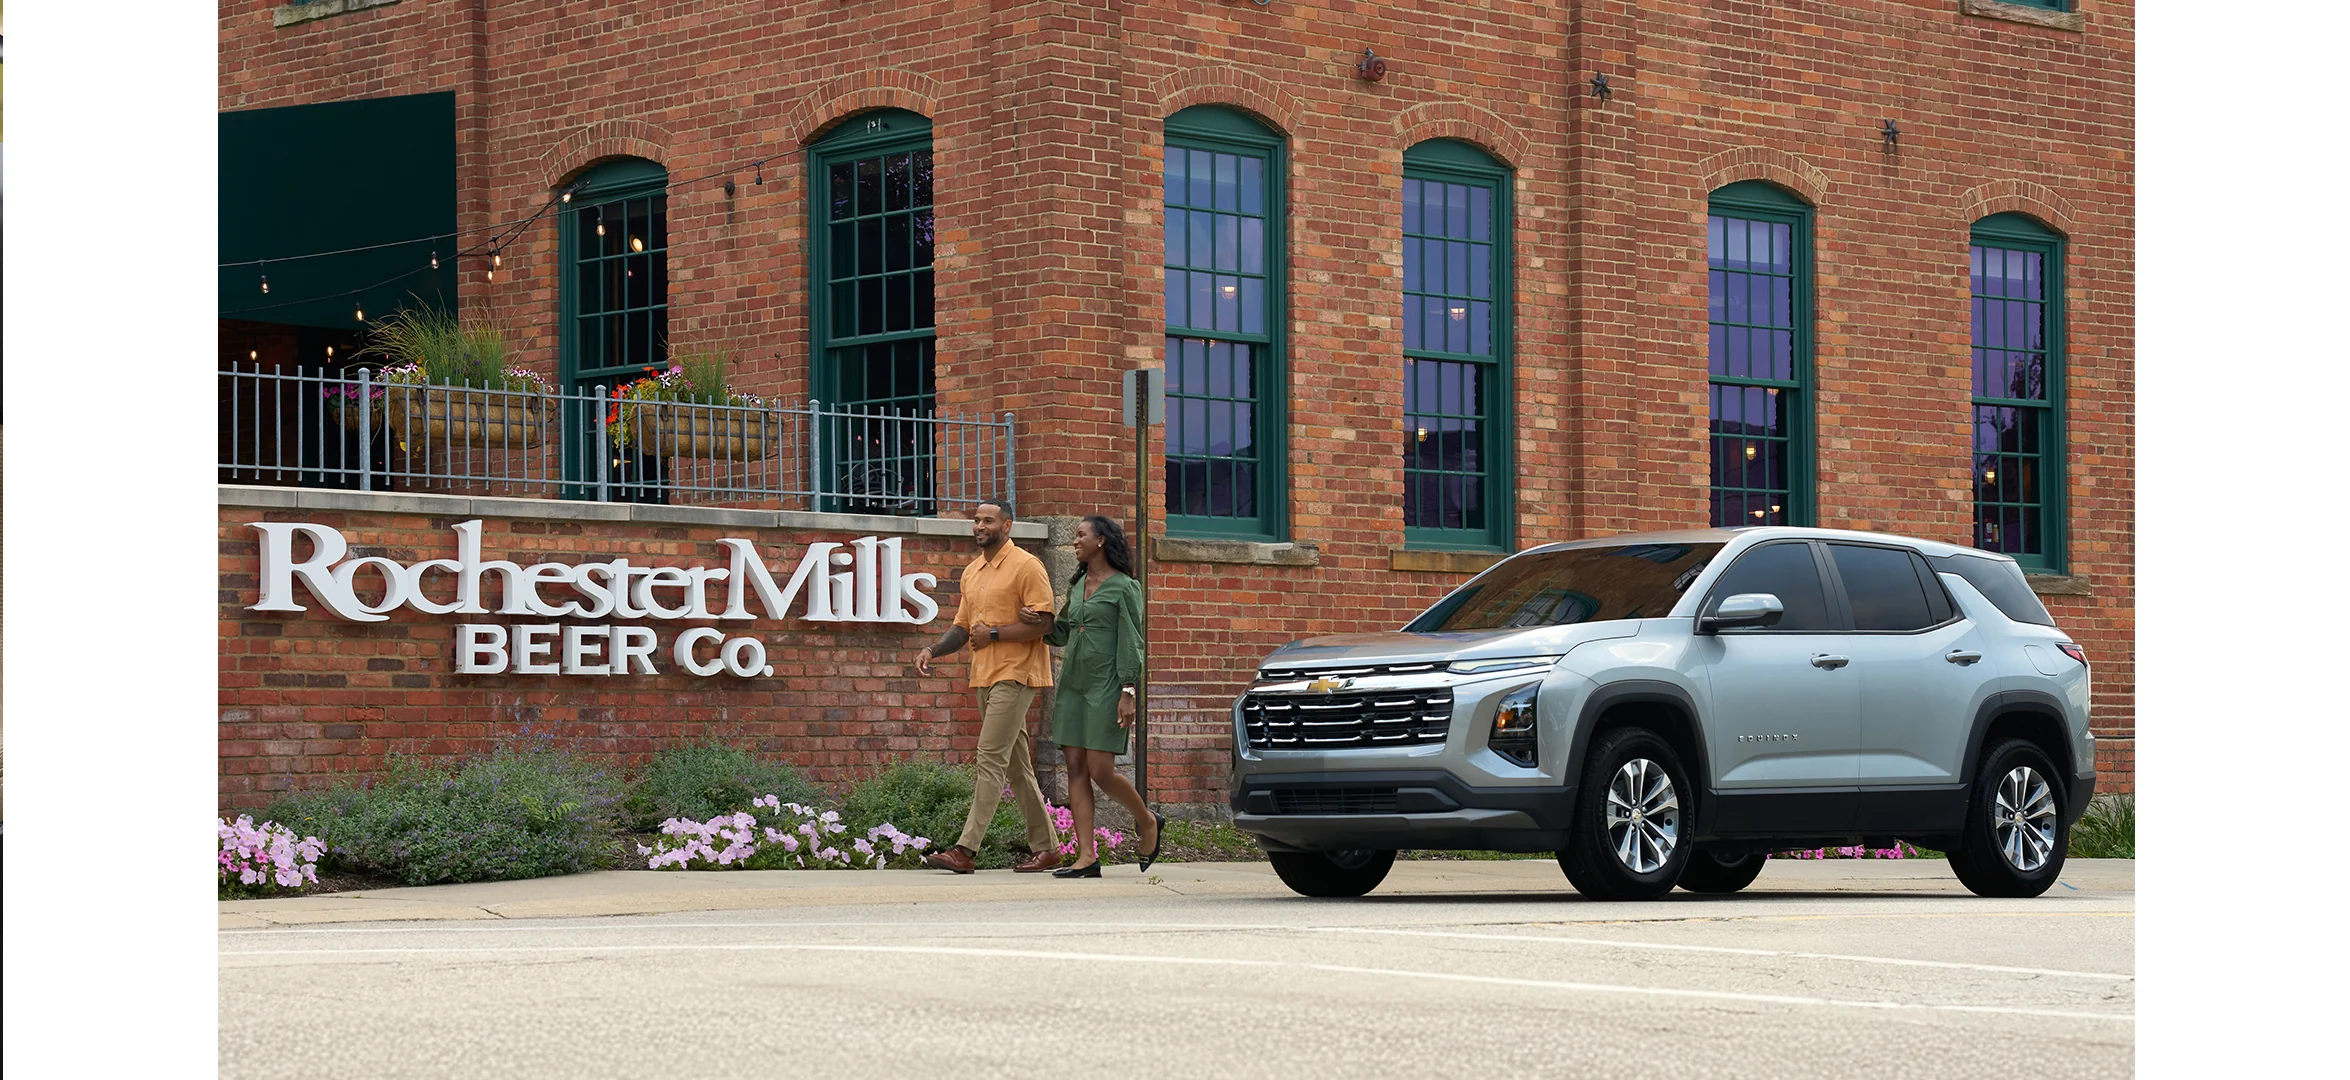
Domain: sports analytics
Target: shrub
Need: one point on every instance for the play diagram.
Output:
(257, 860)
(2108, 829)
(778, 835)
(516, 813)
(704, 781)
(929, 799)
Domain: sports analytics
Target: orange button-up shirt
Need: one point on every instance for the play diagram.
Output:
(994, 591)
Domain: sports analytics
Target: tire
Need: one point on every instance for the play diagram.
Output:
(2015, 837)
(1335, 873)
(1614, 854)
(1707, 873)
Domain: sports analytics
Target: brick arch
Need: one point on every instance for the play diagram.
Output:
(1763, 163)
(1466, 122)
(588, 144)
(2019, 196)
(1238, 87)
(846, 95)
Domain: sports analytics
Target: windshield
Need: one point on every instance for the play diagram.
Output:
(1555, 588)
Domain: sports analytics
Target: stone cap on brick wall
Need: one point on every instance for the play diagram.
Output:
(461, 506)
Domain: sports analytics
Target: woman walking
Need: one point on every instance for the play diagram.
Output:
(1100, 630)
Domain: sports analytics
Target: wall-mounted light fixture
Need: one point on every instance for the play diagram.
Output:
(1892, 136)
(1370, 68)
(1600, 89)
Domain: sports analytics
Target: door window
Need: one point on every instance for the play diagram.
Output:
(1786, 571)
(1882, 586)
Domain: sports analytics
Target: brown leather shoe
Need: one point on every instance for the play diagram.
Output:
(953, 858)
(1040, 862)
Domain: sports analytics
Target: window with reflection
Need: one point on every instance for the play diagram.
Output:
(2014, 265)
(1456, 263)
(1758, 362)
(873, 239)
(1224, 258)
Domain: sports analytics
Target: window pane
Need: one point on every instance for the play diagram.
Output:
(1480, 214)
(1227, 183)
(1882, 588)
(1787, 572)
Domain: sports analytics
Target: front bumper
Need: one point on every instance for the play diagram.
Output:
(1395, 810)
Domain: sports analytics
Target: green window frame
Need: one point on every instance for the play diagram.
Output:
(615, 259)
(2044, 5)
(873, 326)
(1225, 234)
(1457, 468)
(2016, 295)
(1759, 356)
(613, 303)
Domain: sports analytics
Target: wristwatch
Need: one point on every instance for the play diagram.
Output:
(993, 635)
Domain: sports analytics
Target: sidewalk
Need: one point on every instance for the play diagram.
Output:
(648, 892)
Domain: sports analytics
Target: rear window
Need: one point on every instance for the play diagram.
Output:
(2000, 582)
(1554, 588)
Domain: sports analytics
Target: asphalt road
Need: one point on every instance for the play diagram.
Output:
(1809, 975)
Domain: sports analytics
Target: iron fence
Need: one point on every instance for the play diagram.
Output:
(313, 427)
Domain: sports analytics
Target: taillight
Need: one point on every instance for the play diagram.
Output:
(2074, 651)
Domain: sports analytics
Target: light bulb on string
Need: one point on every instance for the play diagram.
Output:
(330, 352)
(436, 259)
(254, 355)
(759, 173)
(496, 260)
(265, 277)
(358, 313)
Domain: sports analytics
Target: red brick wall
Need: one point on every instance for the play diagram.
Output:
(1048, 123)
(307, 699)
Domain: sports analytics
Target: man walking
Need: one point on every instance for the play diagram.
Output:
(1009, 664)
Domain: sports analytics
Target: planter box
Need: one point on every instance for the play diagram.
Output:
(672, 431)
(437, 416)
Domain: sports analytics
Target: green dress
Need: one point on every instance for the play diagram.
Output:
(1100, 635)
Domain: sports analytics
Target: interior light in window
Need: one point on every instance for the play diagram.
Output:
(636, 243)
(1750, 451)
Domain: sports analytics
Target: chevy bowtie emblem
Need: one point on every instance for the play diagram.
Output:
(1327, 684)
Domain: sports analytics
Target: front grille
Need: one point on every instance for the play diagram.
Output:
(1364, 800)
(1401, 717)
(1284, 674)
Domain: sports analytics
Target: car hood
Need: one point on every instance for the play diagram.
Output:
(1401, 647)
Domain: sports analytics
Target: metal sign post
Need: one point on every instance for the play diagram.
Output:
(1141, 410)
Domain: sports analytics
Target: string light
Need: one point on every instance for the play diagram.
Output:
(253, 355)
(265, 279)
(330, 352)
(436, 259)
(359, 313)
(496, 260)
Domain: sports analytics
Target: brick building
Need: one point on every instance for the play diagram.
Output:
(1862, 265)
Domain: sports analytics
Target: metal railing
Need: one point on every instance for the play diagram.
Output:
(311, 427)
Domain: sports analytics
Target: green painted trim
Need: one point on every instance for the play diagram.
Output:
(2012, 230)
(1453, 161)
(1761, 201)
(613, 181)
(1219, 128)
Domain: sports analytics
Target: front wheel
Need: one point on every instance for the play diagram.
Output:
(1707, 872)
(1333, 873)
(1625, 840)
(2015, 838)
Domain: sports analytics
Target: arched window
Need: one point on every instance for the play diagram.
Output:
(872, 306)
(2016, 281)
(616, 273)
(1226, 257)
(614, 303)
(1456, 348)
(1759, 355)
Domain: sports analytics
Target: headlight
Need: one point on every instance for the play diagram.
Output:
(1514, 729)
(1488, 667)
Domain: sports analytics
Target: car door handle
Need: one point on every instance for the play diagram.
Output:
(1830, 662)
(1962, 656)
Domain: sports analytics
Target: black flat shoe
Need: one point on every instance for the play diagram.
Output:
(1093, 870)
(1153, 856)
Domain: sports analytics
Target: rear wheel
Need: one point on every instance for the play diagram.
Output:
(1331, 873)
(1709, 872)
(1626, 834)
(2015, 838)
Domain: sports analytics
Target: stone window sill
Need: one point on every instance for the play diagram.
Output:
(1245, 552)
(2060, 585)
(296, 14)
(2024, 13)
(1442, 562)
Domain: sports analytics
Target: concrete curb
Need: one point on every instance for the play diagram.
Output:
(650, 892)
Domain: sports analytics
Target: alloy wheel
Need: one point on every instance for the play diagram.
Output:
(2023, 818)
(1643, 816)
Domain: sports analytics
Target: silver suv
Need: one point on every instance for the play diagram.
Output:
(1668, 708)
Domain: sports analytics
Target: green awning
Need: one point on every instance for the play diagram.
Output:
(378, 173)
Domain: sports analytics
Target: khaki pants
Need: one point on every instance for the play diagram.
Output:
(1004, 754)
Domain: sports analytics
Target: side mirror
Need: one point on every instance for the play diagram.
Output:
(1743, 610)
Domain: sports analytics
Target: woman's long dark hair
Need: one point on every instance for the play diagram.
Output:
(1114, 549)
